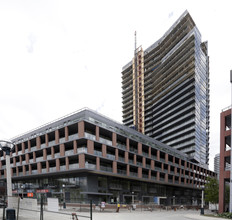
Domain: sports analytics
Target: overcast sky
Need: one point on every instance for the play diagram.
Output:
(59, 56)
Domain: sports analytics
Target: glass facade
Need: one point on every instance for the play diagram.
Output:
(176, 90)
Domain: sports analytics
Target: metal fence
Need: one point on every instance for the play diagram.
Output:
(45, 208)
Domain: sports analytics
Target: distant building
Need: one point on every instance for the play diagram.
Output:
(166, 90)
(225, 151)
(217, 164)
(97, 158)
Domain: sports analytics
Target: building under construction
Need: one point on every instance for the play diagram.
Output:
(165, 90)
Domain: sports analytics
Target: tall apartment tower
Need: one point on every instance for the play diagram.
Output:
(165, 90)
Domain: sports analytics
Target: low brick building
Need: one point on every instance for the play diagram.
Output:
(94, 157)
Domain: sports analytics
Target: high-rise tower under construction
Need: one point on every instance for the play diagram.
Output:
(165, 90)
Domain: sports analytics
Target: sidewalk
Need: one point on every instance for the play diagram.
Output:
(122, 215)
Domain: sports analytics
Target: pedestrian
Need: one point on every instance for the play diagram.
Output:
(118, 207)
(103, 205)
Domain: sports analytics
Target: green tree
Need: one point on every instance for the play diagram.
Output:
(212, 191)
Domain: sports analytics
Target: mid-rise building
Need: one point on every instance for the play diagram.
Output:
(97, 158)
(225, 153)
(165, 90)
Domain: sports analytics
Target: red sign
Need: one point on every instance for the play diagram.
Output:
(29, 194)
(42, 190)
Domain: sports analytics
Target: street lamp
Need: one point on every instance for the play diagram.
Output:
(173, 200)
(64, 205)
(202, 200)
(6, 146)
(133, 198)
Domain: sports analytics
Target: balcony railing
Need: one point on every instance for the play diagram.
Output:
(90, 136)
(57, 155)
(38, 159)
(110, 156)
(123, 147)
(105, 141)
(62, 168)
(122, 159)
(34, 172)
(122, 172)
(52, 169)
(90, 166)
(108, 169)
(42, 145)
(73, 137)
(44, 170)
(82, 150)
(97, 153)
(33, 149)
(74, 166)
(133, 174)
(69, 152)
(51, 143)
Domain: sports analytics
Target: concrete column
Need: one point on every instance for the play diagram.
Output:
(127, 144)
(57, 164)
(29, 146)
(8, 176)
(16, 150)
(97, 163)
(24, 170)
(104, 150)
(67, 163)
(166, 158)
(126, 157)
(140, 150)
(128, 170)
(114, 139)
(90, 147)
(52, 152)
(62, 150)
(47, 166)
(74, 147)
(57, 137)
(23, 148)
(46, 140)
(81, 129)
(139, 172)
(149, 174)
(115, 167)
(149, 152)
(166, 177)
(116, 154)
(81, 160)
(135, 159)
(39, 167)
(29, 169)
(158, 155)
(26, 157)
(158, 176)
(38, 142)
(152, 164)
(97, 133)
(144, 162)
(44, 154)
(20, 160)
(66, 133)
